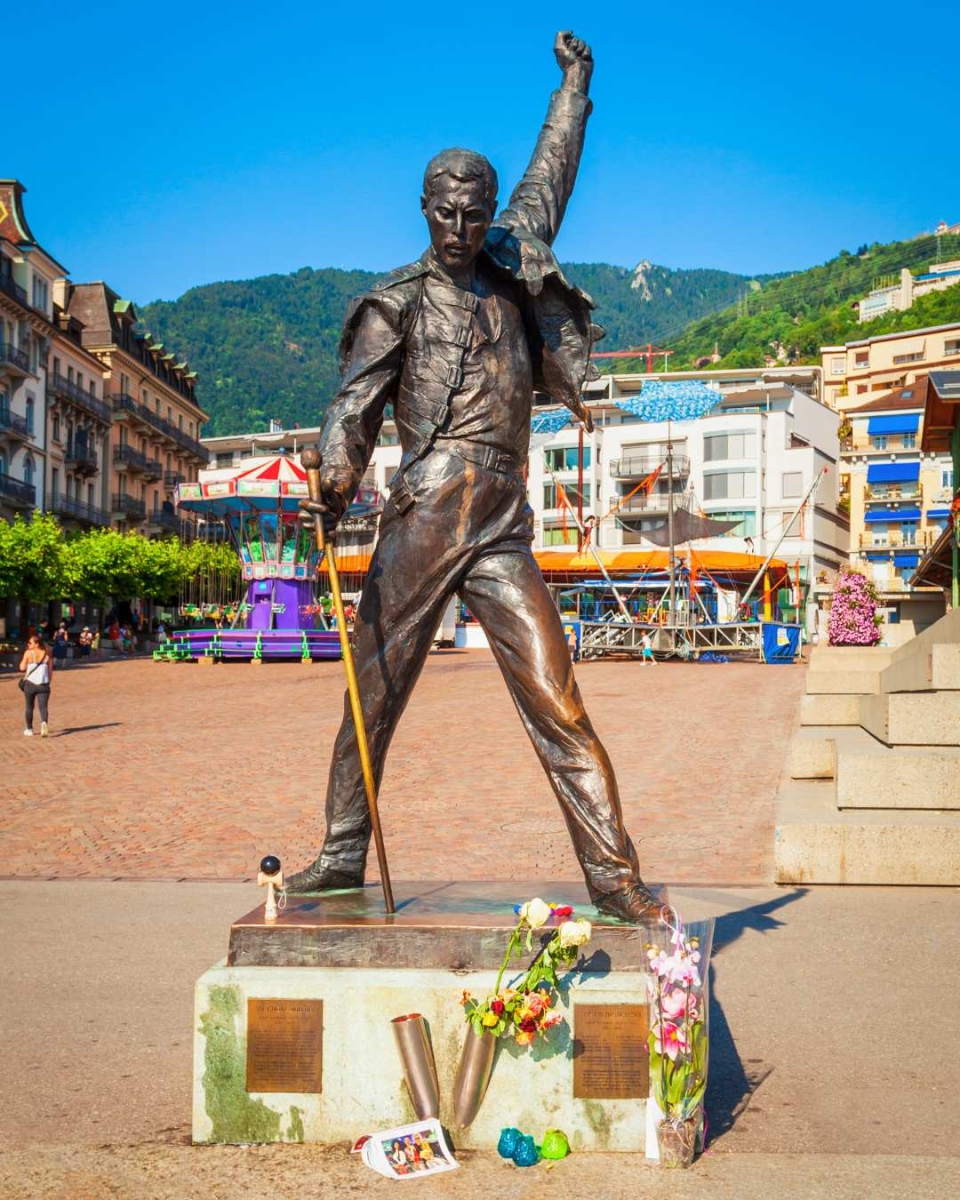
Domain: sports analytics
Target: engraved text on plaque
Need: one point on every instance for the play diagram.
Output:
(610, 1059)
(284, 1045)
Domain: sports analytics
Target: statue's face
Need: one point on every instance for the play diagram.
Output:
(459, 215)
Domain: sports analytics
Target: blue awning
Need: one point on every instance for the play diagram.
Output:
(893, 514)
(898, 472)
(938, 514)
(906, 560)
(902, 423)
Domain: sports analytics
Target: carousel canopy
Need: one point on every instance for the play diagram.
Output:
(275, 481)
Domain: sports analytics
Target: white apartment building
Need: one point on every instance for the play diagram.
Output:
(749, 460)
(900, 294)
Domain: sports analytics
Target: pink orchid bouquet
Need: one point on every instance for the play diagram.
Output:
(524, 1011)
(678, 1033)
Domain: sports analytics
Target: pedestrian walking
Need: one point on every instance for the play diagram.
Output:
(37, 666)
(61, 643)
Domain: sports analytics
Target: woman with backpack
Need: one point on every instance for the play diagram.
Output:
(37, 666)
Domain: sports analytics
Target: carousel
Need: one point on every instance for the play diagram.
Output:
(278, 614)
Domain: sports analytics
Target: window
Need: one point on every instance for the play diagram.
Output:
(729, 485)
(861, 359)
(552, 500)
(40, 293)
(951, 346)
(906, 358)
(56, 429)
(880, 533)
(718, 446)
(3, 463)
(908, 533)
(29, 414)
(561, 458)
(879, 441)
(909, 441)
(29, 469)
(946, 479)
(792, 485)
(861, 388)
(55, 482)
(838, 366)
(746, 522)
(560, 537)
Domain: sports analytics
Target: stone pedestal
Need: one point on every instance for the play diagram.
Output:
(367, 968)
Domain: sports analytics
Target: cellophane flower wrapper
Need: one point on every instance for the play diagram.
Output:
(677, 972)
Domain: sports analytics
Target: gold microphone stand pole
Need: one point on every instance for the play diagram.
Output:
(311, 460)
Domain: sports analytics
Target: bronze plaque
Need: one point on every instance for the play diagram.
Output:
(284, 1045)
(610, 1058)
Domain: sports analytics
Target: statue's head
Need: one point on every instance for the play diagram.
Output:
(459, 201)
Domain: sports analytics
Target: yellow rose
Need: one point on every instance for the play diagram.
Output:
(489, 1019)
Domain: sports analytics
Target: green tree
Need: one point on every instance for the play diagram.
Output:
(33, 565)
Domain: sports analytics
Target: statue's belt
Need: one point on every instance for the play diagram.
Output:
(487, 457)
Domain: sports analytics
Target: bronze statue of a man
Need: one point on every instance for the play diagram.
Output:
(457, 342)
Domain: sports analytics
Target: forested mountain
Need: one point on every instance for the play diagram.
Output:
(266, 348)
(789, 318)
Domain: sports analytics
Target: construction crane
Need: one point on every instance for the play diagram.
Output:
(648, 352)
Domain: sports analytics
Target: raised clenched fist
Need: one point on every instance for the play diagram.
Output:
(574, 59)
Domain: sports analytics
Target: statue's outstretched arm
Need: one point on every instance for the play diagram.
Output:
(540, 198)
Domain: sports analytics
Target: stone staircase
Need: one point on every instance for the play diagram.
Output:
(871, 793)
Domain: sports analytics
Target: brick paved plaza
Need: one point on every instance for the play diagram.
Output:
(175, 771)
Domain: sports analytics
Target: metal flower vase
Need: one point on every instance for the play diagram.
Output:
(473, 1075)
(419, 1066)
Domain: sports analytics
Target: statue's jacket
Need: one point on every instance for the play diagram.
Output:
(396, 350)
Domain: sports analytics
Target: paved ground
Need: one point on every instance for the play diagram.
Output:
(177, 771)
(835, 1054)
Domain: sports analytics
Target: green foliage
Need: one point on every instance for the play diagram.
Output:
(266, 348)
(32, 563)
(791, 317)
(38, 563)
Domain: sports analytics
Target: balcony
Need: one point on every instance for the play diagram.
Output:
(126, 507)
(655, 503)
(126, 456)
(172, 479)
(125, 404)
(13, 290)
(865, 445)
(164, 519)
(896, 539)
(639, 467)
(16, 493)
(885, 495)
(14, 426)
(65, 389)
(14, 359)
(82, 459)
(153, 470)
(86, 514)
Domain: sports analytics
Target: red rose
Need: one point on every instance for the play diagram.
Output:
(496, 1006)
(528, 1026)
(563, 912)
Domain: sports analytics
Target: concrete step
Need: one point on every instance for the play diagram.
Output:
(814, 843)
(842, 683)
(937, 668)
(900, 777)
(814, 749)
(913, 718)
(850, 658)
(825, 709)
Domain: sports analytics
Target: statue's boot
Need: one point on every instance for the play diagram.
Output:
(635, 902)
(323, 877)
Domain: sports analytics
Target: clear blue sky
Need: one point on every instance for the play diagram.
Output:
(177, 144)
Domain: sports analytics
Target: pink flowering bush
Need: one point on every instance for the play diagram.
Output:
(853, 612)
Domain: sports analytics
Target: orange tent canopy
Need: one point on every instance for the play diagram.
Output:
(564, 560)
